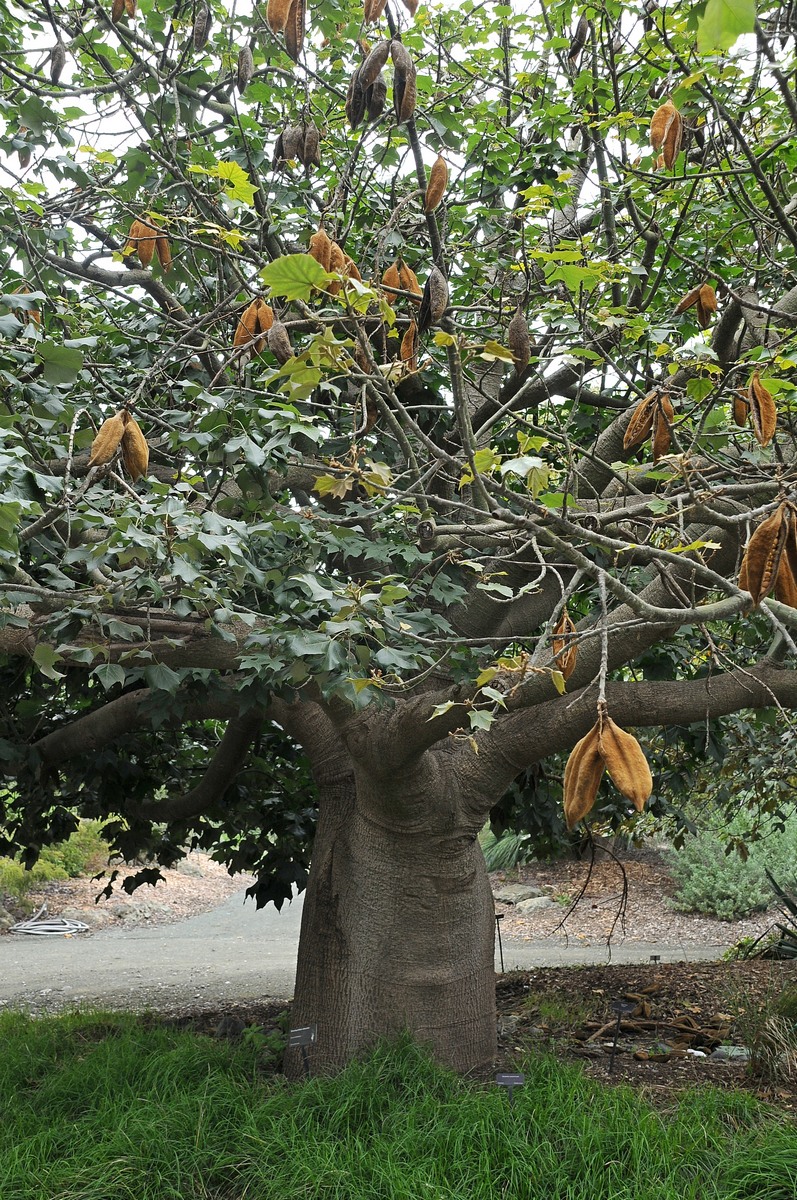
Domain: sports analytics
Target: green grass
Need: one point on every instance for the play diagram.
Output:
(103, 1108)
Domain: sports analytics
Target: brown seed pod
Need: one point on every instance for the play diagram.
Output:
(408, 281)
(741, 406)
(376, 98)
(663, 416)
(247, 328)
(372, 10)
(201, 30)
(786, 584)
(565, 649)
(164, 252)
(337, 262)
(625, 762)
(57, 62)
(403, 82)
(117, 10)
(391, 279)
(130, 7)
(278, 157)
(519, 341)
(762, 557)
(355, 101)
(408, 352)
(689, 299)
(351, 268)
(411, 6)
(641, 421)
(438, 181)
(277, 14)
(435, 300)
(582, 777)
(246, 69)
(294, 29)
(311, 149)
(579, 39)
(762, 410)
(293, 143)
(106, 443)
(666, 131)
(279, 342)
(706, 305)
(264, 314)
(142, 237)
(372, 66)
(135, 451)
(320, 248)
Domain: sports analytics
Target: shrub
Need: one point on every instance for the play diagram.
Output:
(83, 853)
(719, 884)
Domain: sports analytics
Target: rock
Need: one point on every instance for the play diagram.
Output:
(513, 893)
(87, 916)
(186, 867)
(534, 903)
(730, 1054)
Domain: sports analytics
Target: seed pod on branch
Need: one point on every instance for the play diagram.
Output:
(786, 584)
(201, 30)
(565, 649)
(142, 237)
(277, 15)
(762, 557)
(57, 62)
(320, 248)
(438, 181)
(762, 410)
(666, 131)
(355, 101)
(253, 323)
(376, 98)
(408, 281)
(293, 143)
(246, 69)
(372, 65)
(106, 443)
(579, 40)
(311, 148)
(279, 343)
(135, 451)
(130, 7)
(435, 300)
(409, 347)
(627, 766)
(663, 416)
(117, 10)
(411, 6)
(164, 252)
(294, 29)
(582, 777)
(391, 279)
(403, 82)
(741, 406)
(706, 305)
(641, 422)
(519, 341)
(372, 10)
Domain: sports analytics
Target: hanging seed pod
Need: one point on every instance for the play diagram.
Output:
(762, 410)
(689, 299)
(130, 7)
(641, 422)
(741, 406)
(247, 328)
(403, 82)
(583, 774)
(294, 29)
(106, 443)
(246, 69)
(279, 343)
(277, 15)
(373, 63)
(565, 649)
(372, 10)
(519, 341)
(117, 10)
(355, 101)
(438, 181)
(762, 557)
(411, 6)
(293, 143)
(311, 149)
(376, 98)
(135, 451)
(627, 766)
(143, 237)
(351, 268)
(408, 352)
(666, 130)
(278, 157)
(320, 248)
(706, 305)
(201, 30)
(164, 253)
(663, 416)
(435, 300)
(57, 62)
(408, 280)
(391, 279)
(579, 40)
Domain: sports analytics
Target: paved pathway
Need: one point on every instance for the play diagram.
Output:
(231, 953)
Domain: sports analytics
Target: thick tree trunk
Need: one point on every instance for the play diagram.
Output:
(398, 926)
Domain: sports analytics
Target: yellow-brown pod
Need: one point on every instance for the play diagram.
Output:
(582, 777)
(666, 129)
(565, 649)
(106, 443)
(706, 305)
(391, 279)
(142, 237)
(277, 14)
(741, 406)
(626, 764)
(164, 253)
(786, 584)
(688, 300)
(320, 248)
(294, 29)
(117, 10)
(761, 559)
(247, 329)
(264, 315)
(372, 10)
(135, 451)
(519, 341)
(762, 410)
(351, 269)
(409, 347)
(435, 188)
(408, 281)
(663, 416)
(641, 421)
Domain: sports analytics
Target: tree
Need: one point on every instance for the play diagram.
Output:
(380, 412)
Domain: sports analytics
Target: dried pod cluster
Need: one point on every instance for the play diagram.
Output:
(201, 28)
(331, 257)
(436, 187)
(121, 430)
(299, 143)
(253, 325)
(434, 301)
(120, 7)
(399, 276)
(404, 91)
(565, 650)
(703, 299)
(606, 747)
(288, 18)
(653, 414)
(145, 241)
(770, 558)
(666, 132)
(373, 9)
(367, 88)
(279, 342)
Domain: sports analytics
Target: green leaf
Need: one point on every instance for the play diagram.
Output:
(61, 363)
(162, 678)
(294, 276)
(45, 658)
(723, 22)
(109, 674)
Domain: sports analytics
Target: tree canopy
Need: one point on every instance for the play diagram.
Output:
(399, 386)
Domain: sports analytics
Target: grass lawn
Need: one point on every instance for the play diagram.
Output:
(112, 1107)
